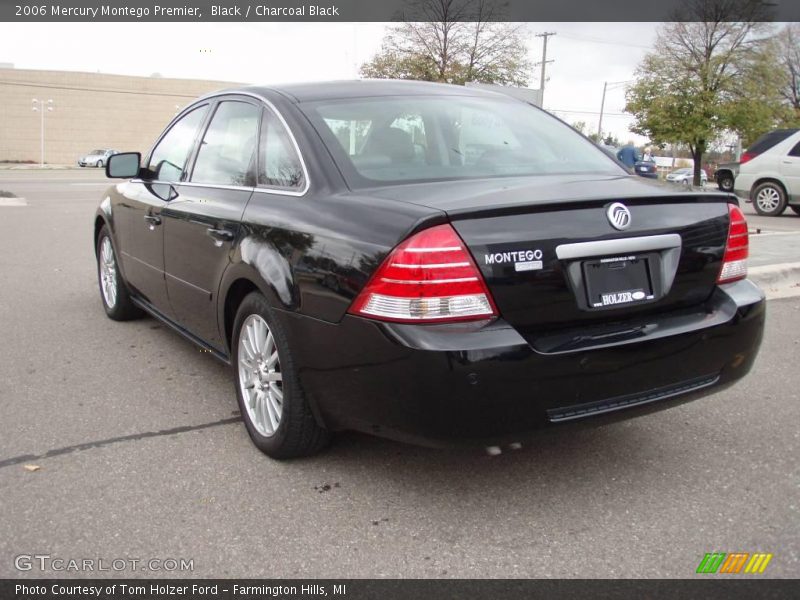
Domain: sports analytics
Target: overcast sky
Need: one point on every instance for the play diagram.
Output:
(585, 55)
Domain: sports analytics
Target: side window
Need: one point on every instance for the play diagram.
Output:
(279, 164)
(229, 144)
(796, 150)
(168, 159)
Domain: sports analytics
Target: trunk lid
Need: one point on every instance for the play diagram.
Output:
(549, 253)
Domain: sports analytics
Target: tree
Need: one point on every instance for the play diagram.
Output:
(701, 78)
(787, 48)
(580, 126)
(453, 41)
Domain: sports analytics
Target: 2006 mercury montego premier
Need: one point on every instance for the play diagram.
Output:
(425, 262)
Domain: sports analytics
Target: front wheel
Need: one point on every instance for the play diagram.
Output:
(273, 405)
(113, 291)
(99, 164)
(769, 199)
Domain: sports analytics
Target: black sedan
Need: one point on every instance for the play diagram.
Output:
(425, 262)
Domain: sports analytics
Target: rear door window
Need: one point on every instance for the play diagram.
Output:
(228, 148)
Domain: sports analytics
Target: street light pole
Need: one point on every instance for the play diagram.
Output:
(41, 105)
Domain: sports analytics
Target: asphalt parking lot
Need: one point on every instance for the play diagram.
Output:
(141, 453)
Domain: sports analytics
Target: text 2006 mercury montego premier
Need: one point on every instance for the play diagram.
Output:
(430, 263)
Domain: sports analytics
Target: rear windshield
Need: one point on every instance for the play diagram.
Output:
(768, 140)
(433, 138)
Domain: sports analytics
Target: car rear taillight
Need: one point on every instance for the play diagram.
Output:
(430, 277)
(734, 263)
(747, 156)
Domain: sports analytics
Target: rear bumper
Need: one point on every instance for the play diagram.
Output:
(477, 384)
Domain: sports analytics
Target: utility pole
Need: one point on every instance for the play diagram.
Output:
(544, 62)
(600, 122)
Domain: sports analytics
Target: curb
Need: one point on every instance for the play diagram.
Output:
(777, 281)
(13, 202)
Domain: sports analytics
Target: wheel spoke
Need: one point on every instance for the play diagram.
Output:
(277, 392)
(272, 360)
(276, 407)
(251, 337)
(269, 346)
(274, 376)
(271, 414)
(251, 355)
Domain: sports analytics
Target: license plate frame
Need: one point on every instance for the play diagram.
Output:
(617, 281)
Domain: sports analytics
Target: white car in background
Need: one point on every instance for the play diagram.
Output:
(685, 176)
(771, 179)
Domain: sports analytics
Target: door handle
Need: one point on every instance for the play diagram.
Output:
(152, 221)
(220, 235)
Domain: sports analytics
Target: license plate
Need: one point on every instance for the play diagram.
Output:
(644, 169)
(617, 281)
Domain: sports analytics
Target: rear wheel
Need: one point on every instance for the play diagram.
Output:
(113, 291)
(273, 406)
(769, 199)
(725, 183)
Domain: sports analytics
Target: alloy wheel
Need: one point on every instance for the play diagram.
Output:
(260, 377)
(108, 273)
(768, 199)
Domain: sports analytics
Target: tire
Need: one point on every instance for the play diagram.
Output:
(725, 183)
(769, 199)
(99, 164)
(796, 209)
(272, 403)
(685, 182)
(113, 292)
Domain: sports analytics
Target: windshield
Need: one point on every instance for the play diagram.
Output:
(422, 138)
(97, 152)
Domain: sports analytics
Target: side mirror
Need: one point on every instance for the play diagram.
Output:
(123, 166)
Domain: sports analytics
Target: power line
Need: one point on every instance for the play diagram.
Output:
(602, 41)
(589, 112)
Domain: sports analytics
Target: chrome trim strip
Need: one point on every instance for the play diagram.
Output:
(618, 246)
(270, 106)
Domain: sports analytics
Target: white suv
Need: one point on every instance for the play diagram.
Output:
(770, 178)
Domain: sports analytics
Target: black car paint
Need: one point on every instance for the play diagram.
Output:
(311, 253)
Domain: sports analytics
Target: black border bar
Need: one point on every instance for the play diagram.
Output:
(366, 10)
(706, 588)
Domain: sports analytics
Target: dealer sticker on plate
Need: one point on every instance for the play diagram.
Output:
(621, 297)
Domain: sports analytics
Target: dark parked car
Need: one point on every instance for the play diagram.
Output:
(646, 167)
(426, 262)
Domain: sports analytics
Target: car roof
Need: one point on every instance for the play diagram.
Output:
(363, 88)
